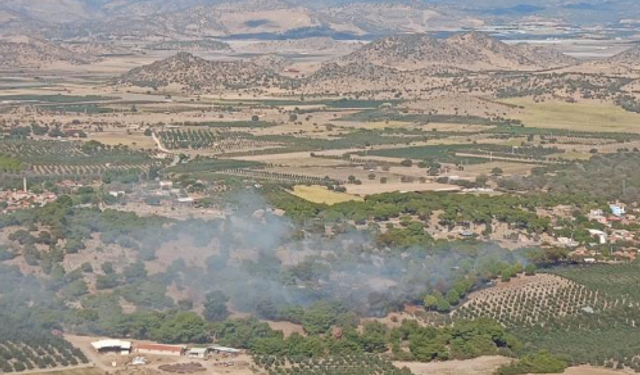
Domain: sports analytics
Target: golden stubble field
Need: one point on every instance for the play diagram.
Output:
(582, 116)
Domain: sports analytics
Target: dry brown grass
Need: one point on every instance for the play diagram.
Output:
(113, 138)
(320, 194)
(477, 366)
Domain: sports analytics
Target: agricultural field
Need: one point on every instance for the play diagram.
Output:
(22, 350)
(317, 194)
(347, 365)
(134, 141)
(588, 314)
(584, 116)
(60, 158)
(210, 165)
(616, 280)
(214, 142)
(534, 300)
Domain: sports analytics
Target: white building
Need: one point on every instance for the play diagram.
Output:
(617, 210)
(198, 353)
(111, 346)
(159, 349)
(224, 350)
(602, 236)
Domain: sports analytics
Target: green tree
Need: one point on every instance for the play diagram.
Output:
(482, 180)
(183, 327)
(537, 363)
(530, 269)
(406, 163)
(215, 307)
(452, 297)
(430, 302)
(319, 318)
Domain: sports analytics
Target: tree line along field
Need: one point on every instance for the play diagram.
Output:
(449, 153)
(211, 165)
(378, 115)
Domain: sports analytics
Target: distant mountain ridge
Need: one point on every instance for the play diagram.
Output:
(413, 62)
(20, 52)
(199, 18)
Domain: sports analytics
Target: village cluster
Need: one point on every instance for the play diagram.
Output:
(609, 228)
(158, 193)
(614, 230)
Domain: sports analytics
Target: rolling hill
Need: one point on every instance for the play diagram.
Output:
(192, 73)
(471, 51)
(629, 58)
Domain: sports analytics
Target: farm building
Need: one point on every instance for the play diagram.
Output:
(112, 346)
(198, 352)
(224, 350)
(159, 349)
